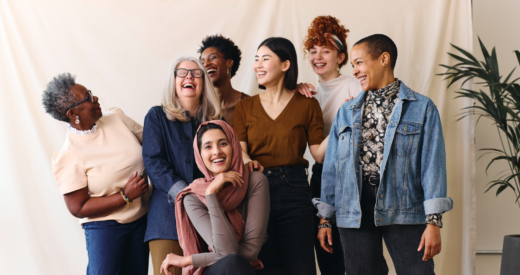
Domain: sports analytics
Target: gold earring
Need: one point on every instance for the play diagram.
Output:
(229, 72)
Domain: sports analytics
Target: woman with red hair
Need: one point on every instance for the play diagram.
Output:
(325, 47)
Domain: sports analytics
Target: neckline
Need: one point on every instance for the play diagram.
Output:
(295, 94)
(75, 131)
(333, 81)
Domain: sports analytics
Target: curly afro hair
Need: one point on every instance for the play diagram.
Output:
(224, 45)
(320, 26)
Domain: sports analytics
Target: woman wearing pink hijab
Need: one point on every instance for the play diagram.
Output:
(221, 218)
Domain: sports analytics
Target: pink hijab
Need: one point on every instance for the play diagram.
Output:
(230, 197)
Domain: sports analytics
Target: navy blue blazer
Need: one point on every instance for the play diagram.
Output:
(168, 158)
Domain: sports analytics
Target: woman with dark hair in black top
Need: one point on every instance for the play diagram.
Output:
(221, 59)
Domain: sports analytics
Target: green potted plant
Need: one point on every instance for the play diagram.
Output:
(500, 104)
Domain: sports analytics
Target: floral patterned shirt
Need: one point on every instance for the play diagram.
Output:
(377, 111)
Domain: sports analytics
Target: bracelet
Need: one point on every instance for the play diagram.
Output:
(324, 225)
(127, 200)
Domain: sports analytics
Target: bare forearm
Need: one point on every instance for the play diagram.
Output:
(98, 207)
(318, 150)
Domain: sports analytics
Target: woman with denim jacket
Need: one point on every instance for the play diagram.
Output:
(326, 48)
(189, 99)
(274, 129)
(384, 175)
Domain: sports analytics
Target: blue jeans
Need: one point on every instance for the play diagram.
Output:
(290, 245)
(115, 248)
(363, 247)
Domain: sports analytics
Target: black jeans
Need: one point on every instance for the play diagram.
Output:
(230, 265)
(362, 247)
(331, 264)
(290, 245)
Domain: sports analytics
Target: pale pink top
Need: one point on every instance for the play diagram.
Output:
(103, 161)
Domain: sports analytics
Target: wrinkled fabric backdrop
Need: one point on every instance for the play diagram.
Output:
(121, 50)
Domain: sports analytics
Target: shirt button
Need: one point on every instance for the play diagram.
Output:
(341, 137)
(381, 195)
(380, 219)
(187, 160)
(269, 172)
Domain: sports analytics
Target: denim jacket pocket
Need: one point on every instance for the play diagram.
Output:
(407, 138)
(344, 143)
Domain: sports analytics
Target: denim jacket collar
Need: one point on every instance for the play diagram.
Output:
(405, 93)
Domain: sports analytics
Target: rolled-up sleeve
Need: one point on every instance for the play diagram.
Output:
(433, 165)
(325, 204)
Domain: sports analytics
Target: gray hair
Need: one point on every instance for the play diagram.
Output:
(57, 97)
(209, 107)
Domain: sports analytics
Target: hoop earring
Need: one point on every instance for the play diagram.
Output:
(229, 72)
(77, 120)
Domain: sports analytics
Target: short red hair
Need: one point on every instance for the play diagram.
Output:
(316, 34)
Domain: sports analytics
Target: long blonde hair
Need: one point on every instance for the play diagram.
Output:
(209, 104)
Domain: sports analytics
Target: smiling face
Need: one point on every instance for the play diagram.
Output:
(268, 67)
(216, 151)
(368, 70)
(215, 64)
(189, 86)
(325, 61)
(87, 111)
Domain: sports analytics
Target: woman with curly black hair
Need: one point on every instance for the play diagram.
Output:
(221, 59)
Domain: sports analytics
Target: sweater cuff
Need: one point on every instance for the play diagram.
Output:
(176, 189)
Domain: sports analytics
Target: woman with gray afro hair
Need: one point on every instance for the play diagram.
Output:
(100, 173)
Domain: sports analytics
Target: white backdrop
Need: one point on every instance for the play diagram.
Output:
(121, 51)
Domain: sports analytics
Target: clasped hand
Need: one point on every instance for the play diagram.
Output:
(221, 179)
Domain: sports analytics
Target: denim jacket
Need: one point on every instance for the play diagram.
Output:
(413, 169)
(168, 158)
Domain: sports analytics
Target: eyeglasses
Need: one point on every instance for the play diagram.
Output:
(89, 96)
(184, 72)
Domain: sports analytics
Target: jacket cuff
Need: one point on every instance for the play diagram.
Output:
(438, 205)
(176, 189)
(325, 211)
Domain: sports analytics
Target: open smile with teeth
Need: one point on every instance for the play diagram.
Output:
(218, 160)
(319, 65)
(188, 86)
(211, 70)
(261, 73)
(362, 79)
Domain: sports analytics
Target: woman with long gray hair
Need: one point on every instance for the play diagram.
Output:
(99, 171)
(189, 99)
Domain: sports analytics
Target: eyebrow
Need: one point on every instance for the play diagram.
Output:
(217, 141)
(263, 55)
(356, 59)
(208, 55)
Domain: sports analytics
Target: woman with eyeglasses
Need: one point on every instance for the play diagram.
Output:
(100, 172)
(189, 99)
(221, 59)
